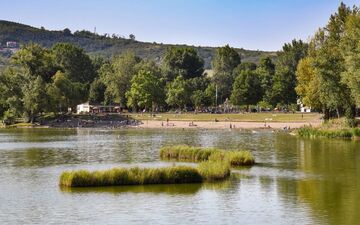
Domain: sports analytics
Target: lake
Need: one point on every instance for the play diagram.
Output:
(295, 180)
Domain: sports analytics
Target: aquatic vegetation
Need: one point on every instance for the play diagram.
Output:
(141, 176)
(328, 133)
(131, 176)
(214, 170)
(197, 154)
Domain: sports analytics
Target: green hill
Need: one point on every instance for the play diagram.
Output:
(103, 45)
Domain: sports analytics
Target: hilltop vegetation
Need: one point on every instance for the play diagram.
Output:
(105, 45)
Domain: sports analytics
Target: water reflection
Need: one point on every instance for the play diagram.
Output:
(171, 189)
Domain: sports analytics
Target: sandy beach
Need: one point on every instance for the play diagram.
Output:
(225, 125)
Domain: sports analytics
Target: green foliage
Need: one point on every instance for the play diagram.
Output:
(244, 66)
(327, 77)
(97, 91)
(117, 76)
(284, 81)
(266, 71)
(199, 99)
(147, 90)
(74, 62)
(223, 64)
(35, 61)
(197, 154)
(307, 87)
(225, 60)
(177, 93)
(246, 89)
(182, 61)
(350, 49)
(64, 93)
(34, 98)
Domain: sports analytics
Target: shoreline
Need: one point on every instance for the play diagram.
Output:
(225, 125)
(152, 124)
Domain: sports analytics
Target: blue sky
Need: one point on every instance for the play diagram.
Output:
(251, 24)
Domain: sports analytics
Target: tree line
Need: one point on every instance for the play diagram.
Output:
(323, 73)
(329, 76)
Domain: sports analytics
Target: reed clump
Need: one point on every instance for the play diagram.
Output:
(206, 171)
(198, 154)
(213, 171)
(328, 133)
(131, 176)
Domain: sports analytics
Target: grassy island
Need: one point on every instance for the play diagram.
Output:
(197, 154)
(140, 176)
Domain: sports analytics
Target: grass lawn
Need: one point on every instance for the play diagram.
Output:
(240, 117)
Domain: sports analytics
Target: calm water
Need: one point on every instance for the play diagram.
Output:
(297, 181)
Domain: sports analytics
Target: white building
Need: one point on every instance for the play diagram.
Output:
(83, 108)
(303, 108)
(88, 108)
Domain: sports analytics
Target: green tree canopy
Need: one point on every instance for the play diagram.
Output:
(35, 61)
(350, 49)
(147, 91)
(97, 91)
(225, 61)
(177, 94)
(183, 61)
(266, 71)
(246, 89)
(74, 62)
(284, 81)
(117, 76)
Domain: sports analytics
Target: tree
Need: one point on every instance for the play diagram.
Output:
(307, 83)
(147, 91)
(34, 60)
(245, 66)
(67, 32)
(97, 91)
(34, 99)
(12, 81)
(210, 93)
(177, 93)
(132, 37)
(65, 93)
(183, 61)
(225, 61)
(74, 62)
(329, 63)
(199, 99)
(117, 76)
(350, 50)
(246, 89)
(266, 71)
(284, 81)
